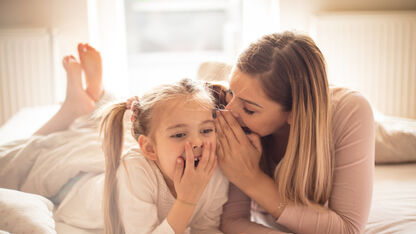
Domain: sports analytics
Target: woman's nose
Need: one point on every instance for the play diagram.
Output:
(231, 107)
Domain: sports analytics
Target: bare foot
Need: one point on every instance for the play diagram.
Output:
(91, 63)
(77, 101)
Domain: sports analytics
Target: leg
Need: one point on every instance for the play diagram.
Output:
(77, 101)
(91, 63)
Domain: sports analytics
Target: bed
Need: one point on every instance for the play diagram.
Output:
(394, 196)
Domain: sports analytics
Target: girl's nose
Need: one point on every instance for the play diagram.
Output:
(197, 147)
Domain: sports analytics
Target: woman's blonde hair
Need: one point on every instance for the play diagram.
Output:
(112, 128)
(291, 69)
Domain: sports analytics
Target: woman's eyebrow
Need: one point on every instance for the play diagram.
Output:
(250, 102)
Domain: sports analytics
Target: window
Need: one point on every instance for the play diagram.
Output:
(168, 39)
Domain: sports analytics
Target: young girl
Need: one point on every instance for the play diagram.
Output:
(170, 185)
(166, 186)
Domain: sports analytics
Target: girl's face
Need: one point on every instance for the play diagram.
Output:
(179, 121)
(251, 106)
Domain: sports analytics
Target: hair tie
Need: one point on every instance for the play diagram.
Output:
(135, 109)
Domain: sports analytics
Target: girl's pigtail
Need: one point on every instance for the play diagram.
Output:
(112, 128)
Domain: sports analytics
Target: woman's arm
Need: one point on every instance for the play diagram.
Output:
(236, 215)
(350, 199)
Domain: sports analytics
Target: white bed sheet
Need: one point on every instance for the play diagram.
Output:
(25, 122)
(394, 200)
(394, 197)
(22, 125)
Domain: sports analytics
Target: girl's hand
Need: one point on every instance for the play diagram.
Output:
(191, 182)
(239, 154)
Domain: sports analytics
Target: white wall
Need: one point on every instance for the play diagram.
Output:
(296, 14)
(68, 19)
(98, 22)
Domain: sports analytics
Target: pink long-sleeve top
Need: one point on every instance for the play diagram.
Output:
(348, 207)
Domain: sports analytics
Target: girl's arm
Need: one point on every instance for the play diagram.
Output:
(190, 183)
(137, 185)
(236, 215)
(179, 215)
(207, 220)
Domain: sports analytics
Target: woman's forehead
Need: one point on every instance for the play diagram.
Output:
(246, 85)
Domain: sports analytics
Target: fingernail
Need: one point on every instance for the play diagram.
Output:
(178, 160)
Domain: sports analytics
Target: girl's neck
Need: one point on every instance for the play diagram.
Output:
(168, 182)
(170, 185)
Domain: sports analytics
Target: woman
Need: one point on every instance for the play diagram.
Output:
(307, 159)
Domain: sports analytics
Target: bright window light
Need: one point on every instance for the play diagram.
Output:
(168, 39)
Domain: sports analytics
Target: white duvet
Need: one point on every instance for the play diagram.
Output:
(43, 164)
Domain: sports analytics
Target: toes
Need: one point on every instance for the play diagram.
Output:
(79, 48)
(88, 47)
(72, 59)
(66, 59)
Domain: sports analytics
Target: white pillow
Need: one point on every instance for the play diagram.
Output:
(25, 213)
(395, 139)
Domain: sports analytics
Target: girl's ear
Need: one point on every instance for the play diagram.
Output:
(148, 147)
(289, 118)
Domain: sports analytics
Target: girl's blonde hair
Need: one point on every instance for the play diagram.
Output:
(291, 69)
(112, 128)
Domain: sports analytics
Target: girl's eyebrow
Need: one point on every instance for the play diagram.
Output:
(207, 121)
(182, 125)
(250, 102)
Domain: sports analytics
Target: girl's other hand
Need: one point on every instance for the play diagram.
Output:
(239, 154)
(190, 182)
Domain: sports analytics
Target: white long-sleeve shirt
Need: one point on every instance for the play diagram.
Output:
(145, 200)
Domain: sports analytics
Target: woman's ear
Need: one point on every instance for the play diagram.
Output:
(148, 147)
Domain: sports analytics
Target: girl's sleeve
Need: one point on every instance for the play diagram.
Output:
(350, 200)
(138, 212)
(208, 218)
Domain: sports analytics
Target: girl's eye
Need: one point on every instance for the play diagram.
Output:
(249, 112)
(206, 131)
(178, 135)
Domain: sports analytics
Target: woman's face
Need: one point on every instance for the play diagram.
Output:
(251, 106)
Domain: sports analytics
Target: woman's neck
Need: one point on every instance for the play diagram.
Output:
(280, 140)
